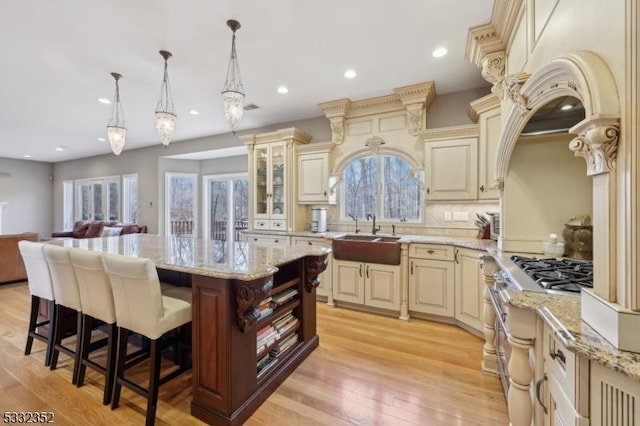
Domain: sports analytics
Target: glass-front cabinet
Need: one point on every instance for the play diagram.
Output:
(272, 179)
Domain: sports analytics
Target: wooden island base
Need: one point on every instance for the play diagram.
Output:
(227, 387)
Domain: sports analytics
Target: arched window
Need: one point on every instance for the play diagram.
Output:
(383, 184)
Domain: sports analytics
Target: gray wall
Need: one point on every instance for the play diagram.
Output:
(452, 109)
(28, 188)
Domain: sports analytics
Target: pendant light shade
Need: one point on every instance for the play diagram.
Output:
(116, 129)
(165, 111)
(233, 91)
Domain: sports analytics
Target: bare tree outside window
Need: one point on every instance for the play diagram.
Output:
(181, 198)
(400, 196)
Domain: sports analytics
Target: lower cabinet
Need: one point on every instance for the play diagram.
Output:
(431, 286)
(368, 284)
(469, 288)
(615, 398)
(326, 284)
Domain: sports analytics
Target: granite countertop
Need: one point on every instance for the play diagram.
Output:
(562, 315)
(229, 260)
(470, 243)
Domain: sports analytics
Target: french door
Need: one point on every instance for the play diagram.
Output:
(181, 201)
(226, 206)
(98, 199)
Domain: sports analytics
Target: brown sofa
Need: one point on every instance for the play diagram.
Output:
(11, 265)
(85, 229)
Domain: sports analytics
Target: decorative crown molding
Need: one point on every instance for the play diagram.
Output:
(512, 85)
(414, 99)
(449, 132)
(493, 69)
(597, 143)
(483, 104)
(290, 134)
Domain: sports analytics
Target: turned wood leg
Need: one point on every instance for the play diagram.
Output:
(84, 348)
(76, 357)
(489, 356)
(33, 320)
(519, 399)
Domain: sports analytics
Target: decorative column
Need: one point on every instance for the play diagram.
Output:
(2, 204)
(489, 355)
(404, 282)
(519, 399)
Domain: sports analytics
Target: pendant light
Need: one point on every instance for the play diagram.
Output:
(165, 112)
(116, 129)
(233, 91)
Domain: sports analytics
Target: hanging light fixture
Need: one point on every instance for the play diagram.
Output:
(165, 112)
(116, 130)
(233, 92)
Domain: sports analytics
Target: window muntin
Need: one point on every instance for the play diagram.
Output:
(130, 198)
(383, 185)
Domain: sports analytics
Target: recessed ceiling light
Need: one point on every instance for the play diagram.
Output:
(26, 156)
(350, 74)
(566, 107)
(59, 148)
(104, 101)
(102, 140)
(194, 112)
(283, 89)
(439, 52)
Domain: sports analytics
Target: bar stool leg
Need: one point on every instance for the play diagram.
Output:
(110, 368)
(87, 325)
(154, 382)
(33, 320)
(76, 356)
(123, 335)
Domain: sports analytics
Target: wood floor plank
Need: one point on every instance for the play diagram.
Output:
(368, 370)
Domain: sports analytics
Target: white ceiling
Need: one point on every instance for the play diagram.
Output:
(56, 56)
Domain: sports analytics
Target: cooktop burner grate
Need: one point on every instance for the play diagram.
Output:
(557, 274)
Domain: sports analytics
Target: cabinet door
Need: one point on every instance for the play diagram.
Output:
(313, 171)
(469, 288)
(382, 286)
(261, 185)
(614, 397)
(325, 278)
(452, 169)
(431, 286)
(278, 195)
(348, 281)
(490, 127)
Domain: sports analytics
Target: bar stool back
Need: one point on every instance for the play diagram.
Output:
(40, 288)
(141, 308)
(97, 304)
(65, 287)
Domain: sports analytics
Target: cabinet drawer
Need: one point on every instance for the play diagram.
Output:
(431, 251)
(260, 224)
(304, 241)
(277, 239)
(278, 225)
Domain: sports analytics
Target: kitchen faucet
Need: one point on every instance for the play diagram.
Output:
(374, 230)
(356, 219)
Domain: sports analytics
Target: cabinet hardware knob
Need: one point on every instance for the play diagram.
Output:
(255, 239)
(367, 271)
(538, 386)
(325, 193)
(428, 190)
(481, 188)
(431, 251)
(411, 269)
(558, 354)
(276, 241)
(309, 242)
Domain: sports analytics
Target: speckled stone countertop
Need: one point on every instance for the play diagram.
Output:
(470, 243)
(562, 315)
(229, 260)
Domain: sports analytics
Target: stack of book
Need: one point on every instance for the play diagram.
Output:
(283, 297)
(286, 344)
(284, 324)
(265, 307)
(266, 336)
(265, 363)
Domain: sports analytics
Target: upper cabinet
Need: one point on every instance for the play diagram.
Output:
(314, 182)
(451, 163)
(272, 179)
(486, 112)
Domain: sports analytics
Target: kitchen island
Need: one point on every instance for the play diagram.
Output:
(229, 282)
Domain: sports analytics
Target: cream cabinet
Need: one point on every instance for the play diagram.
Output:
(486, 112)
(368, 284)
(567, 384)
(325, 288)
(615, 398)
(314, 180)
(272, 180)
(469, 288)
(431, 279)
(451, 168)
(263, 238)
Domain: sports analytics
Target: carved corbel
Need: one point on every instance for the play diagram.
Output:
(599, 147)
(512, 85)
(249, 294)
(500, 184)
(415, 112)
(314, 266)
(336, 112)
(337, 130)
(493, 68)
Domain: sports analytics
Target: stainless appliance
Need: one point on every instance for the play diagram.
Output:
(319, 219)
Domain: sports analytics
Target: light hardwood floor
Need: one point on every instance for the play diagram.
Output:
(368, 370)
